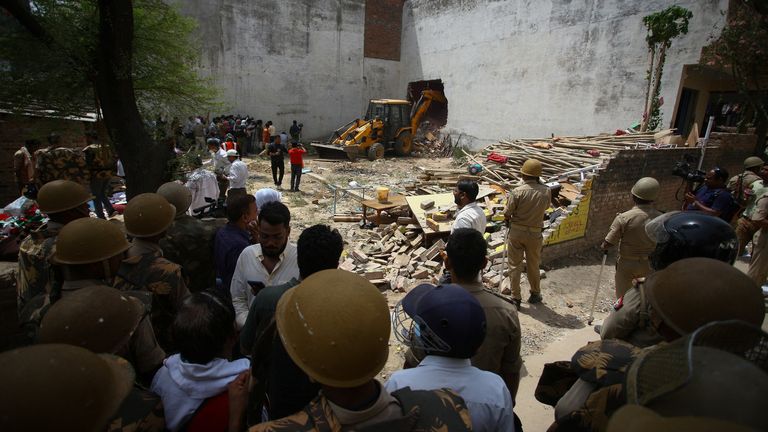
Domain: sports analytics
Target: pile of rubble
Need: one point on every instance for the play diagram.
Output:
(432, 145)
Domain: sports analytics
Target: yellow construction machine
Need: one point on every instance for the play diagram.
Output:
(389, 124)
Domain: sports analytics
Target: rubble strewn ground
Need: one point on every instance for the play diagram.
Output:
(567, 287)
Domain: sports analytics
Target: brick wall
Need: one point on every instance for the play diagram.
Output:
(612, 184)
(14, 130)
(383, 24)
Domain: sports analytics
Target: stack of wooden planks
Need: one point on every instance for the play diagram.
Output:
(558, 155)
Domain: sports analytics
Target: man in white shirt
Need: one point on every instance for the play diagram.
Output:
(270, 262)
(469, 215)
(238, 174)
(449, 324)
(202, 183)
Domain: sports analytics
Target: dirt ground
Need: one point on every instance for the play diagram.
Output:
(567, 288)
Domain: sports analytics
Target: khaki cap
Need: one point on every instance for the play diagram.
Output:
(55, 387)
(178, 195)
(647, 188)
(695, 291)
(531, 167)
(61, 195)
(147, 215)
(335, 325)
(89, 240)
(752, 162)
(98, 318)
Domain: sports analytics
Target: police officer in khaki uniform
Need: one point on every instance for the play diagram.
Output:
(739, 182)
(628, 231)
(758, 266)
(525, 217)
(189, 241)
(147, 218)
(61, 387)
(62, 201)
(675, 301)
(336, 326)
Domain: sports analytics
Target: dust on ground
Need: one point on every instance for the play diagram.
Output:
(567, 289)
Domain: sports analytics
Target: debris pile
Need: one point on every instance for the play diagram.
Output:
(561, 157)
(432, 145)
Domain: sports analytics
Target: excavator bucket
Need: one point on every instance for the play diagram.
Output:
(330, 151)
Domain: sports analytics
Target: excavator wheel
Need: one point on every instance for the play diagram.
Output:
(403, 144)
(375, 151)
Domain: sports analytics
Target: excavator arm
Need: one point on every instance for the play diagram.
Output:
(422, 105)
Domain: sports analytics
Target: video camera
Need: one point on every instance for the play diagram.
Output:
(215, 208)
(683, 170)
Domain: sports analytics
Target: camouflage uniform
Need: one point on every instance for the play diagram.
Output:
(141, 410)
(602, 368)
(149, 271)
(61, 164)
(189, 243)
(403, 410)
(35, 275)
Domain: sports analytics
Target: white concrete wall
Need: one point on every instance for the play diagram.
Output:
(528, 68)
(282, 60)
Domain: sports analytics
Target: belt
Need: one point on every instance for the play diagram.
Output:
(526, 228)
(634, 257)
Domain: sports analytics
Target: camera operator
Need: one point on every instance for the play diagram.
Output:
(712, 198)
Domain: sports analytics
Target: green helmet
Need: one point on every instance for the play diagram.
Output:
(695, 291)
(719, 371)
(61, 195)
(647, 188)
(53, 387)
(335, 326)
(98, 318)
(148, 215)
(89, 240)
(178, 195)
(752, 162)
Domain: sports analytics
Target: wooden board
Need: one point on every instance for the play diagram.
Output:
(394, 201)
(443, 199)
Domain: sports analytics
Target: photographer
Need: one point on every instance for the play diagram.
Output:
(712, 198)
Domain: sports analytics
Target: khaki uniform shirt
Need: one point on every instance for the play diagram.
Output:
(630, 320)
(760, 211)
(527, 203)
(628, 231)
(35, 275)
(748, 178)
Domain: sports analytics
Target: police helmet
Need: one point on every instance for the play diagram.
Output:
(681, 235)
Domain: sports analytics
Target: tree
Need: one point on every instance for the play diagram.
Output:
(741, 50)
(662, 28)
(129, 60)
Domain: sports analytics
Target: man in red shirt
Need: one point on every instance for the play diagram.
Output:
(296, 153)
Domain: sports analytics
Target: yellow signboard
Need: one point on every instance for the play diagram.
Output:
(575, 223)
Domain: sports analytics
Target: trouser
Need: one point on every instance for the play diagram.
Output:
(233, 193)
(745, 230)
(278, 169)
(199, 143)
(100, 200)
(628, 269)
(522, 241)
(223, 185)
(295, 176)
(758, 266)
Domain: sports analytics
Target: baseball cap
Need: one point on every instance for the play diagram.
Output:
(232, 153)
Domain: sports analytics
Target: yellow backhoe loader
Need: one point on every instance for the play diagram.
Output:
(389, 124)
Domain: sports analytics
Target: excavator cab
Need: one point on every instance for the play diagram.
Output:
(389, 124)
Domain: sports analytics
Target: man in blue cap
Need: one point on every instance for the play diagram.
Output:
(448, 324)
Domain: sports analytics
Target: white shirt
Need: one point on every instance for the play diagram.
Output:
(238, 174)
(220, 162)
(470, 216)
(486, 395)
(250, 268)
(202, 183)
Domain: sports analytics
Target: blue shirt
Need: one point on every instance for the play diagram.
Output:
(229, 243)
(719, 200)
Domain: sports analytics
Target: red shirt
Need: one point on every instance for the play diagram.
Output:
(265, 135)
(229, 145)
(296, 155)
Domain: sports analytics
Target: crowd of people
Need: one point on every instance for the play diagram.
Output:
(174, 323)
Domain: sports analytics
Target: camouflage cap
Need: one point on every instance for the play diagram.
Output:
(54, 387)
(98, 318)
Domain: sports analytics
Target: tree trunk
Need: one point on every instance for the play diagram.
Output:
(647, 105)
(144, 160)
(656, 83)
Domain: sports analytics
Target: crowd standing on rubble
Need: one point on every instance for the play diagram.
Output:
(180, 323)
